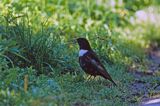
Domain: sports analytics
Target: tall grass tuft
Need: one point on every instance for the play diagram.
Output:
(34, 48)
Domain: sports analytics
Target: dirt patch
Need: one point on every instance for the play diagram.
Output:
(154, 57)
(146, 90)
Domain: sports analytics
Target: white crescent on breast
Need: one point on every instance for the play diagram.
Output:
(82, 52)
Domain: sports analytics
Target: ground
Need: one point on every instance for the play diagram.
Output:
(142, 86)
(39, 56)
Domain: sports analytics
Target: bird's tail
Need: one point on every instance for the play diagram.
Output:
(107, 76)
(112, 82)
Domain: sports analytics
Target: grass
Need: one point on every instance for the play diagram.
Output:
(36, 40)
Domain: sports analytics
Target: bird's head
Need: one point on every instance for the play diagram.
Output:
(83, 44)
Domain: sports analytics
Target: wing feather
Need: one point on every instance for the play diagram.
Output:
(92, 57)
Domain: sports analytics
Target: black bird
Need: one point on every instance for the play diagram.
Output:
(89, 61)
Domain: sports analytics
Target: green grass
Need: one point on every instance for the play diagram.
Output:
(36, 39)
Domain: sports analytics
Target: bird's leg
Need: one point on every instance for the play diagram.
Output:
(89, 77)
(99, 80)
(94, 77)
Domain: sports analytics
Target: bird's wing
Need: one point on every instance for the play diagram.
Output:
(93, 59)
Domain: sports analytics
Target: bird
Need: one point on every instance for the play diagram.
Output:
(90, 62)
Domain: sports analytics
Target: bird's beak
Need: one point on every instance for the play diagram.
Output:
(71, 42)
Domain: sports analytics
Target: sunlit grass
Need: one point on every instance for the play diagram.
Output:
(36, 40)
